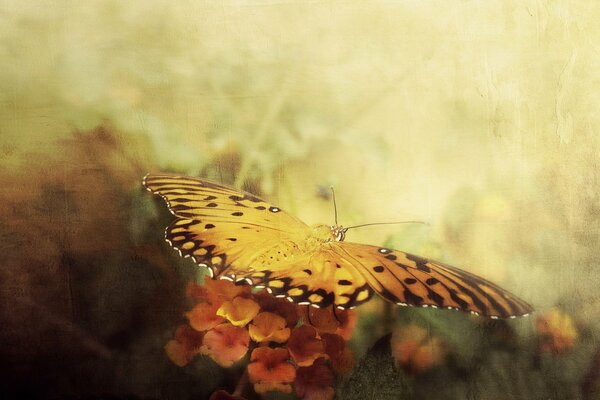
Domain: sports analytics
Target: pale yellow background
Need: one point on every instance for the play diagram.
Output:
(479, 117)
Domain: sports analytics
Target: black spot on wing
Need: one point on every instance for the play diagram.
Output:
(420, 262)
(412, 298)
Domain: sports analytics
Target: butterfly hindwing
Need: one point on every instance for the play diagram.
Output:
(406, 279)
(320, 278)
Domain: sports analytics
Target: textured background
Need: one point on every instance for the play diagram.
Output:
(480, 118)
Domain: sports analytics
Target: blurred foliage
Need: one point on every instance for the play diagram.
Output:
(477, 118)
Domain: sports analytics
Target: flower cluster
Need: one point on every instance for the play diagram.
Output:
(292, 347)
(556, 332)
(415, 350)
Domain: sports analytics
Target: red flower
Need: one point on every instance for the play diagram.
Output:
(305, 346)
(185, 346)
(340, 355)
(281, 307)
(323, 319)
(315, 382)
(269, 370)
(347, 320)
(226, 344)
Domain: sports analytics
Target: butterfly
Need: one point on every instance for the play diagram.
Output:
(239, 237)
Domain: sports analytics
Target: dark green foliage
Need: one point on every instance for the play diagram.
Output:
(375, 376)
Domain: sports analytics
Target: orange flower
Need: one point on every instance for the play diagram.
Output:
(557, 332)
(281, 307)
(415, 351)
(315, 382)
(239, 311)
(341, 356)
(269, 370)
(185, 346)
(195, 292)
(304, 345)
(226, 344)
(218, 291)
(204, 317)
(330, 320)
(267, 327)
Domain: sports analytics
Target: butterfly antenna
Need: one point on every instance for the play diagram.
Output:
(388, 223)
(334, 205)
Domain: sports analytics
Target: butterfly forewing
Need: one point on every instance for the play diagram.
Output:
(406, 279)
(210, 202)
(220, 227)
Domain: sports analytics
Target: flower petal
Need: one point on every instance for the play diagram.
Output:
(185, 346)
(240, 311)
(270, 370)
(557, 333)
(281, 307)
(272, 386)
(415, 351)
(226, 344)
(204, 317)
(340, 355)
(267, 327)
(304, 345)
(315, 382)
(220, 291)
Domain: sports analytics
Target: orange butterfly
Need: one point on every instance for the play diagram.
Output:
(244, 239)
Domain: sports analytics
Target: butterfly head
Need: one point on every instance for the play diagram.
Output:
(339, 232)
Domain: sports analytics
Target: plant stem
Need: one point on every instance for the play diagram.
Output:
(241, 385)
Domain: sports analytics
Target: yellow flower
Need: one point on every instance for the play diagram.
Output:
(240, 311)
(269, 327)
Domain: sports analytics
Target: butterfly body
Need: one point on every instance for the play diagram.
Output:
(242, 238)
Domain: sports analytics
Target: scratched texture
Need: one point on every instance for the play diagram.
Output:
(480, 118)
